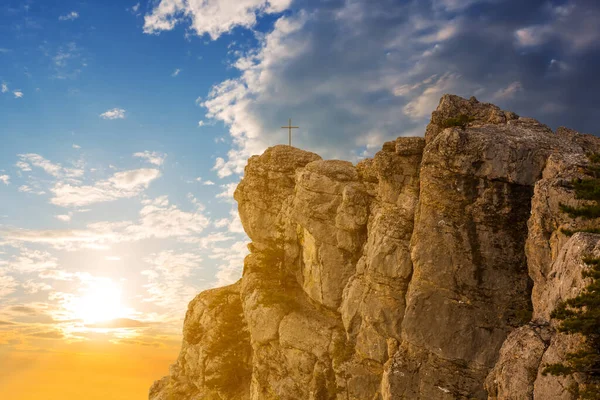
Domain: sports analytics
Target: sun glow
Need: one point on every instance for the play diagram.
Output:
(100, 302)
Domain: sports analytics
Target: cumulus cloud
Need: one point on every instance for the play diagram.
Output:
(115, 113)
(124, 184)
(5, 179)
(73, 15)
(212, 17)
(376, 71)
(4, 88)
(152, 157)
(18, 94)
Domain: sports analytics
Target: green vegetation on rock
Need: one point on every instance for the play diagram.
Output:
(460, 121)
(581, 314)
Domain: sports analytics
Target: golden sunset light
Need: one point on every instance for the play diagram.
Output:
(99, 302)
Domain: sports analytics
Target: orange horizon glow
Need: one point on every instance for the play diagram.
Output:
(88, 370)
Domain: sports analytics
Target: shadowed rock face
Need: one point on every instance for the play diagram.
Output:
(411, 275)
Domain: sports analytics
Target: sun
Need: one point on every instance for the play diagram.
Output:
(100, 302)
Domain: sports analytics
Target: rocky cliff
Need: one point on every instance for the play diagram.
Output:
(426, 272)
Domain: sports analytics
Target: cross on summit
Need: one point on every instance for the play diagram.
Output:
(290, 127)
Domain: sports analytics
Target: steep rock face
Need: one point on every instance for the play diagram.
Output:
(518, 374)
(400, 277)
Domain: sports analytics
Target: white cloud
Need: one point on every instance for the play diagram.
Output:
(4, 88)
(232, 262)
(124, 184)
(29, 261)
(8, 285)
(157, 219)
(212, 17)
(201, 123)
(227, 193)
(168, 279)
(115, 113)
(208, 183)
(32, 287)
(509, 92)
(56, 170)
(273, 81)
(18, 94)
(73, 15)
(152, 157)
(422, 104)
(76, 146)
(233, 223)
(63, 217)
(135, 8)
(176, 72)
(571, 27)
(532, 36)
(5, 179)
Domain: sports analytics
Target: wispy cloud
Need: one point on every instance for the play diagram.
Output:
(73, 15)
(167, 277)
(124, 184)
(26, 161)
(115, 113)
(5, 179)
(18, 94)
(29, 261)
(8, 284)
(4, 88)
(152, 157)
(176, 72)
(157, 219)
(509, 92)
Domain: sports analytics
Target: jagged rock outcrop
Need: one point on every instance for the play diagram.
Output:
(426, 272)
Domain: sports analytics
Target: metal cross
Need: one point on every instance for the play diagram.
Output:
(290, 127)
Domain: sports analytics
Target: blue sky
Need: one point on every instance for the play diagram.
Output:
(125, 126)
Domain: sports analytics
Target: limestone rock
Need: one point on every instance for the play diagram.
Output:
(518, 373)
(410, 275)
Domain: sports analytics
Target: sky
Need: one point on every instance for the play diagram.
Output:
(125, 127)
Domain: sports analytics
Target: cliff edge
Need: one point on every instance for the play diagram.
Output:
(426, 272)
